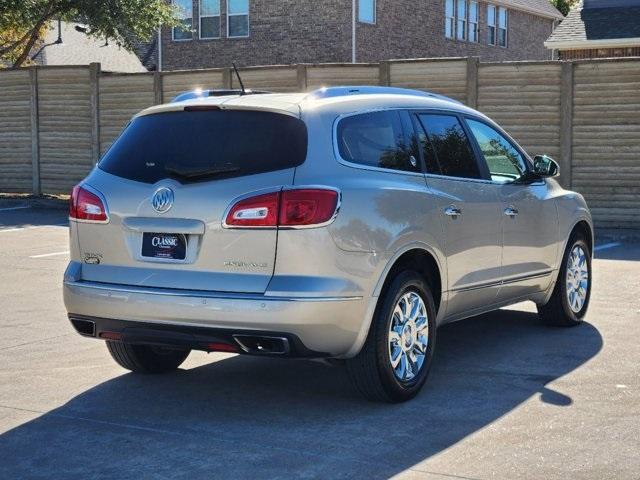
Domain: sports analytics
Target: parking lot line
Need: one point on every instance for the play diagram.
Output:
(19, 229)
(66, 252)
(607, 246)
(6, 209)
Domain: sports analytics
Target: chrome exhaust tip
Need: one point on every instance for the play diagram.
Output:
(263, 345)
(86, 328)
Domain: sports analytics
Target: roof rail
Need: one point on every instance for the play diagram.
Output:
(219, 92)
(332, 92)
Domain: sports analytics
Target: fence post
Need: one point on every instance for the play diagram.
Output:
(302, 77)
(384, 73)
(35, 133)
(566, 124)
(157, 88)
(94, 85)
(472, 81)
(226, 78)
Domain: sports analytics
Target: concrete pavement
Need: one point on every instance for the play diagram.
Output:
(507, 398)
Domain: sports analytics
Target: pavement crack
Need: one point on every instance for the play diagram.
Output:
(35, 341)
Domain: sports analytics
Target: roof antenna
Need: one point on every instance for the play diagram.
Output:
(235, 69)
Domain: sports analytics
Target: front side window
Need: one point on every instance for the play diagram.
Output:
(376, 139)
(183, 31)
(503, 21)
(473, 22)
(237, 18)
(446, 141)
(450, 20)
(209, 18)
(462, 19)
(506, 164)
(367, 11)
(492, 38)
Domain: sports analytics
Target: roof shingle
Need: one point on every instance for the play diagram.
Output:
(586, 24)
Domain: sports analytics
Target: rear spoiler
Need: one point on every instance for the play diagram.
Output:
(220, 92)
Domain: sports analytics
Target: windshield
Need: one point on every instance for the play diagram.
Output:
(196, 145)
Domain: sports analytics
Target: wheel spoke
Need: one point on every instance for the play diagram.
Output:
(396, 356)
(397, 314)
(421, 324)
(409, 374)
(394, 337)
(402, 371)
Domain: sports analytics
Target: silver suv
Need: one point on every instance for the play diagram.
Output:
(347, 223)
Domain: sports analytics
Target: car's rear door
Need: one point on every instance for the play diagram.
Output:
(469, 212)
(168, 183)
(529, 214)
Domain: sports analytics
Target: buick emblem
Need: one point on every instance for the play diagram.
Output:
(162, 200)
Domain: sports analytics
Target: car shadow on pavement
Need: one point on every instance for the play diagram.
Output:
(33, 217)
(246, 417)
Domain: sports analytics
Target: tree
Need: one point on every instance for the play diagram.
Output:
(23, 21)
(564, 5)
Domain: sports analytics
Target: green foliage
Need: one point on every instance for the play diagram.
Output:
(22, 21)
(564, 5)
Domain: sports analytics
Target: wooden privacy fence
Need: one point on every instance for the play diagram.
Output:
(55, 122)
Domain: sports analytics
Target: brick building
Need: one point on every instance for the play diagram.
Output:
(599, 29)
(215, 33)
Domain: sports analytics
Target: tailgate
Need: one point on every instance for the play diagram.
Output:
(166, 229)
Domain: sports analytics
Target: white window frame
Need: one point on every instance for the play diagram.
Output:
(492, 23)
(375, 12)
(201, 16)
(505, 28)
(229, 15)
(450, 20)
(473, 26)
(462, 21)
(173, 29)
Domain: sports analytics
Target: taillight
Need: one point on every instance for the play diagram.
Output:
(304, 207)
(307, 207)
(87, 206)
(258, 211)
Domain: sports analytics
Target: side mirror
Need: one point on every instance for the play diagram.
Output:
(545, 166)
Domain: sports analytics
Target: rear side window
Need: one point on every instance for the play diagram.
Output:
(191, 146)
(448, 145)
(376, 139)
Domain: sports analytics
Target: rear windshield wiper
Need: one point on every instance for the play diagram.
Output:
(193, 173)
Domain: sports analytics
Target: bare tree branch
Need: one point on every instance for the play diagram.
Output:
(32, 35)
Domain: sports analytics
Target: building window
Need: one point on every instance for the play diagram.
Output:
(209, 18)
(184, 31)
(503, 22)
(450, 22)
(473, 22)
(491, 25)
(367, 11)
(462, 20)
(237, 18)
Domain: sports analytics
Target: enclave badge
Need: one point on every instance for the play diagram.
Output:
(162, 200)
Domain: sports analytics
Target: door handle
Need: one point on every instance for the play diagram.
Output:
(511, 212)
(453, 211)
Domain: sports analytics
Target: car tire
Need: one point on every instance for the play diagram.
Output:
(569, 301)
(146, 358)
(372, 371)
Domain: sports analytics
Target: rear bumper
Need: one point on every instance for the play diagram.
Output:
(315, 327)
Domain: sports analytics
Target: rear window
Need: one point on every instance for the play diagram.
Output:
(192, 146)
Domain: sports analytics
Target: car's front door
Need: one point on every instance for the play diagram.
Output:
(469, 211)
(529, 215)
